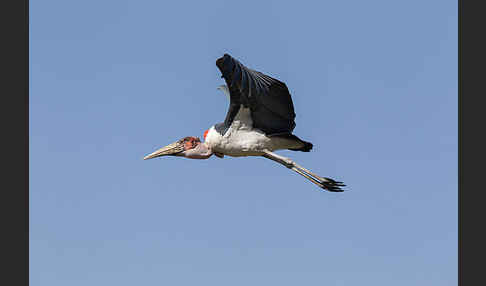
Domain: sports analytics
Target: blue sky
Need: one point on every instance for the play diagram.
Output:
(374, 85)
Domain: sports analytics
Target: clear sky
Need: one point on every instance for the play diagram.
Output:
(374, 85)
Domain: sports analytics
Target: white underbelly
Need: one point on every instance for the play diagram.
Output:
(238, 143)
(241, 139)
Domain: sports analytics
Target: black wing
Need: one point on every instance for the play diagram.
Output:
(269, 100)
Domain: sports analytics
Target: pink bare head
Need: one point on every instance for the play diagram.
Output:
(188, 147)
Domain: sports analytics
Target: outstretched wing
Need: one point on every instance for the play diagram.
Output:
(269, 100)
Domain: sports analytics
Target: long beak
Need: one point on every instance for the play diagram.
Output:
(171, 149)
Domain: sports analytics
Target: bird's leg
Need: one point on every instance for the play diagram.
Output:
(311, 173)
(307, 177)
(322, 182)
(291, 165)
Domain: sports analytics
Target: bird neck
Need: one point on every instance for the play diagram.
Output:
(201, 151)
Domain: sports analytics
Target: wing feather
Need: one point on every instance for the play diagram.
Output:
(269, 100)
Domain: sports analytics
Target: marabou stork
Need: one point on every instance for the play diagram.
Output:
(260, 120)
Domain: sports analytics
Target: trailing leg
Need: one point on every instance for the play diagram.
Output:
(323, 182)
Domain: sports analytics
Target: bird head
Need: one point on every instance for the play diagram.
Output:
(189, 147)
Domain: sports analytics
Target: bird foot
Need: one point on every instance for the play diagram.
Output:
(332, 185)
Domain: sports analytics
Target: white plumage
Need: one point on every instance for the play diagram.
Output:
(241, 139)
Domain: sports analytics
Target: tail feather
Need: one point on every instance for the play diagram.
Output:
(306, 146)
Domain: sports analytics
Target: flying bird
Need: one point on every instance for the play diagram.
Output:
(259, 121)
